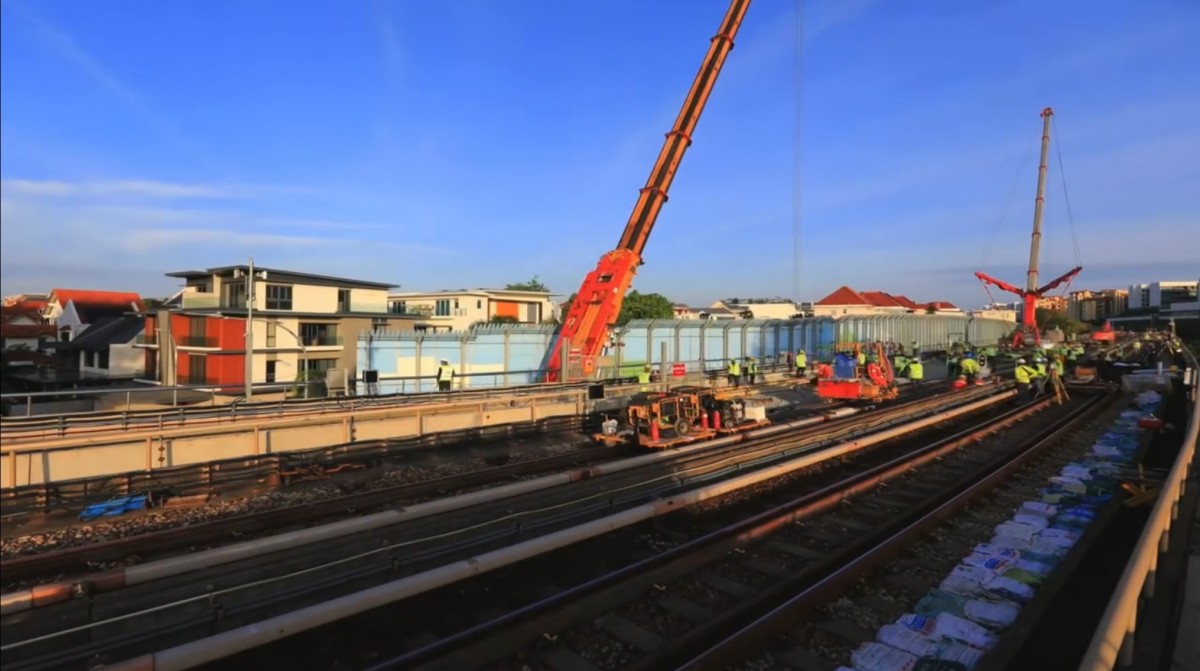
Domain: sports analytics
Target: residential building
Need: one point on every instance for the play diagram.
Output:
(30, 302)
(107, 349)
(684, 312)
(1052, 303)
(759, 308)
(995, 311)
(1092, 306)
(461, 309)
(24, 335)
(847, 301)
(300, 322)
(716, 314)
(942, 307)
(71, 311)
(1161, 295)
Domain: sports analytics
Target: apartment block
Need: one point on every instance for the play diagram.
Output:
(1091, 306)
(1161, 295)
(299, 322)
(460, 310)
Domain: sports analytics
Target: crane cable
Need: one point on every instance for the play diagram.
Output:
(797, 145)
(1012, 191)
(1066, 197)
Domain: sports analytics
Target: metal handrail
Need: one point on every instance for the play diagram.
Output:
(1113, 642)
(19, 428)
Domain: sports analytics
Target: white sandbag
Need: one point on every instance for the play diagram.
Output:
(998, 551)
(1009, 588)
(994, 614)
(901, 637)
(1016, 530)
(879, 657)
(961, 586)
(988, 562)
(972, 573)
(1038, 508)
(1036, 521)
(946, 625)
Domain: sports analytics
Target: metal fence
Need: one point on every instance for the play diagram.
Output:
(491, 353)
(1113, 644)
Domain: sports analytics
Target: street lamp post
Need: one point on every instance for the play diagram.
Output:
(250, 277)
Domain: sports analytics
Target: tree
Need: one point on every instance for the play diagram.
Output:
(1048, 319)
(534, 284)
(645, 306)
(503, 319)
(637, 306)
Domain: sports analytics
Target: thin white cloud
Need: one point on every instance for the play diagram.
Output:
(144, 188)
(64, 46)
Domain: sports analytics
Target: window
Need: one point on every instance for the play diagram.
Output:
(279, 297)
(271, 363)
(102, 359)
(479, 304)
(378, 324)
(442, 308)
(319, 366)
(89, 359)
(197, 326)
(235, 295)
(398, 307)
(343, 300)
(197, 369)
(272, 328)
(318, 335)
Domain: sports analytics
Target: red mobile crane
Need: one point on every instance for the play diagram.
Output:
(585, 327)
(1032, 292)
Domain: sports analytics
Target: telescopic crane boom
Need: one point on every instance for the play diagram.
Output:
(586, 325)
(1032, 292)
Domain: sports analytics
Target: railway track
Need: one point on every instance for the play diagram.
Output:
(118, 614)
(86, 546)
(705, 578)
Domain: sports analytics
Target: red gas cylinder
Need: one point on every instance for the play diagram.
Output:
(716, 420)
(704, 419)
(654, 431)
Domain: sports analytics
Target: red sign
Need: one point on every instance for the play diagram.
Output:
(678, 369)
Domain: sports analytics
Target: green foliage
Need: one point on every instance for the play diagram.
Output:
(638, 306)
(503, 319)
(645, 306)
(534, 284)
(314, 380)
(1048, 319)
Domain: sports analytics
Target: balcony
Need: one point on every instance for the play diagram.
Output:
(358, 306)
(323, 341)
(197, 341)
(195, 300)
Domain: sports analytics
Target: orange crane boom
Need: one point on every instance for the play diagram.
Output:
(586, 325)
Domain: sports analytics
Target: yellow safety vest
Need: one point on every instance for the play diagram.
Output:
(752, 368)
(862, 358)
(735, 368)
(644, 377)
(445, 373)
(1023, 374)
(801, 360)
(916, 371)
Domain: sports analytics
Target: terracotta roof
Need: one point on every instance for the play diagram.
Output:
(941, 305)
(906, 302)
(83, 298)
(881, 300)
(844, 296)
(11, 312)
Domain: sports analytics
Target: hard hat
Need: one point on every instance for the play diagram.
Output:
(444, 361)
(1020, 361)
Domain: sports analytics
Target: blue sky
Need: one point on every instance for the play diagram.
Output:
(467, 143)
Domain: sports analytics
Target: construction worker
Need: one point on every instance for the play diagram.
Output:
(862, 359)
(751, 369)
(1039, 382)
(970, 369)
(915, 349)
(444, 375)
(916, 371)
(801, 363)
(734, 373)
(1025, 374)
(644, 376)
(953, 369)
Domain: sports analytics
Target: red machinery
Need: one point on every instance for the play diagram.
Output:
(1028, 329)
(1105, 334)
(850, 382)
(585, 327)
